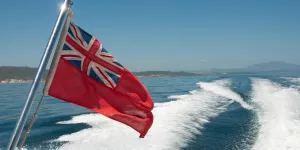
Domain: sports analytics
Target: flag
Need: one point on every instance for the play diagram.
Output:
(84, 73)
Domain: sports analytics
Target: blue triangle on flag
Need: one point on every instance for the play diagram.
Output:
(118, 64)
(86, 36)
(70, 32)
(95, 76)
(104, 50)
(66, 47)
(114, 77)
(76, 63)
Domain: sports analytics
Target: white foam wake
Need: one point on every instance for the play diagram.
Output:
(222, 88)
(175, 123)
(293, 80)
(279, 116)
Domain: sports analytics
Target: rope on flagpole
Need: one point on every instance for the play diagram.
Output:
(31, 123)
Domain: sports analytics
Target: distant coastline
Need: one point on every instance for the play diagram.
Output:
(12, 74)
(8, 81)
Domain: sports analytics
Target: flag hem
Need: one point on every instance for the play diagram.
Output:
(56, 57)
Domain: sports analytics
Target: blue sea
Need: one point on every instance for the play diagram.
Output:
(224, 112)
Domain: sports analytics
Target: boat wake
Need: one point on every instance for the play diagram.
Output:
(278, 114)
(222, 88)
(293, 80)
(176, 123)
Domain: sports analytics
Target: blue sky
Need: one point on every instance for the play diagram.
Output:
(161, 34)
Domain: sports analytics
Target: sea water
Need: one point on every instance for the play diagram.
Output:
(227, 112)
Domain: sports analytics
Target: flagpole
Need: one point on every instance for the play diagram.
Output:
(43, 64)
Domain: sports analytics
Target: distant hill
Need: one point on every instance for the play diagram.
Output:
(12, 72)
(163, 73)
(27, 73)
(272, 66)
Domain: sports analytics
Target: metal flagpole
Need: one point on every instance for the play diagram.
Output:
(43, 64)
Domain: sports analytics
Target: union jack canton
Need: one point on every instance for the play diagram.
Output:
(87, 54)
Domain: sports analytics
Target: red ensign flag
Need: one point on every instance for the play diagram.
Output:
(85, 74)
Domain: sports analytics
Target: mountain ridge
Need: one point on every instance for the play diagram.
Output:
(263, 67)
(28, 73)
